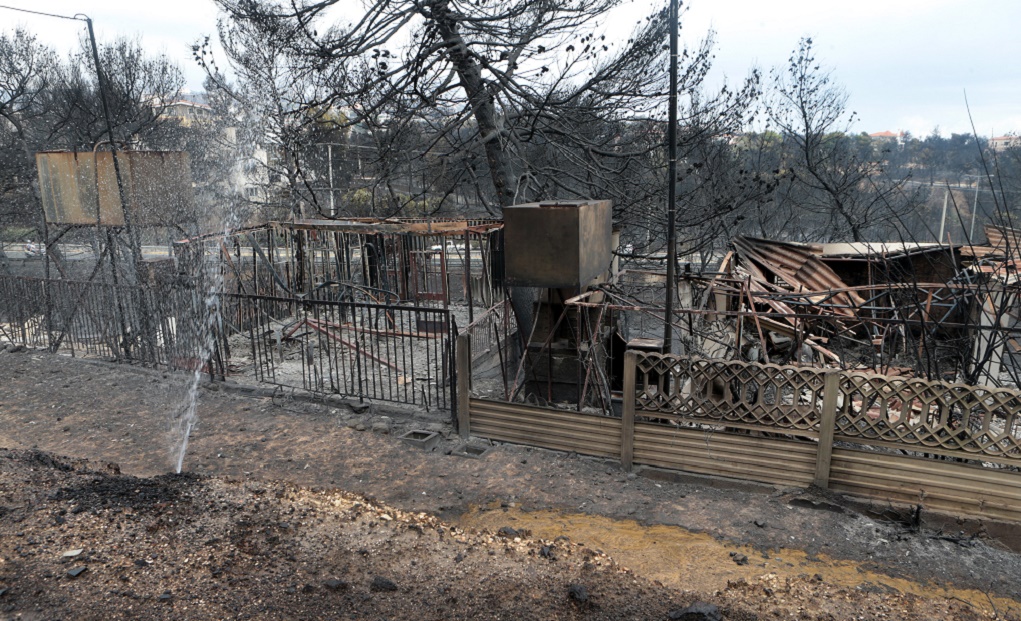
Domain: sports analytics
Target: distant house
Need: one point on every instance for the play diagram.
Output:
(188, 112)
(887, 137)
(1002, 143)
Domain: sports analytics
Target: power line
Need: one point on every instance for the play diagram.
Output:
(14, 8)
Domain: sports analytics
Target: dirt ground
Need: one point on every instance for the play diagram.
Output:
(291, 509)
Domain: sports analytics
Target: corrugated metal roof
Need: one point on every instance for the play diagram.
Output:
(1003, 238)
(799, 267)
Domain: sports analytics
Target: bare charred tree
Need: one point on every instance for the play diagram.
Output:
(835, 176)
(496, 103)
(26, 72)
(274, 113)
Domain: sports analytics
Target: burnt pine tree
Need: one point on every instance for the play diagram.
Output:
(834, 177)
(521, 100)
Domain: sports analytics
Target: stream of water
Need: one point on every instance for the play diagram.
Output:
(203, 324)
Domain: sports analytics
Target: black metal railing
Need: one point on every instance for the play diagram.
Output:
(374, 351)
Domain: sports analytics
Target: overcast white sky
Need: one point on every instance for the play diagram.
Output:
(905, 63)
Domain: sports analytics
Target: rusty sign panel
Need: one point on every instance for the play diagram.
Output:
(562, 244)
(81, 188)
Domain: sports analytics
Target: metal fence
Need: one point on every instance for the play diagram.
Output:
(159, 326)
(375, 351)
(387, 352)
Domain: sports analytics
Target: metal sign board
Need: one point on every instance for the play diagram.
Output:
(81, 187)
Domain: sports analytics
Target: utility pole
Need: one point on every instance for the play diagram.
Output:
(136, 251)
(974, 212)
(329, 158)
(943, 218)
(671, 209)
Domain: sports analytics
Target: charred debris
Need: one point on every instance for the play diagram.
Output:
(926, 310)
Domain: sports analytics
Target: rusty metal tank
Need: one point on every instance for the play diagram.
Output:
(557, 244)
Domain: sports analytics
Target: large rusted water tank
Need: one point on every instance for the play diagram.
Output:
(557, 244)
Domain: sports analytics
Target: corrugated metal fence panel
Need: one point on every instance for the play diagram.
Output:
(768, 460)
(944, 486)
(559, 430)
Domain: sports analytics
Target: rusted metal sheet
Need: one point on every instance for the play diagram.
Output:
(1004, 239)
(376, 225)
(948, 487)
(558, 244)
(81, 188)
(586, 434)
(799, 267)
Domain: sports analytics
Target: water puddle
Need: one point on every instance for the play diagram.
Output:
(684, 559)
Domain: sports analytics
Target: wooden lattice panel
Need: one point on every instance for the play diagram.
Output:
(721, 391)
(930, 416)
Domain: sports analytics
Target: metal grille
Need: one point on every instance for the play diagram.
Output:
(163, 326)
(375, 351)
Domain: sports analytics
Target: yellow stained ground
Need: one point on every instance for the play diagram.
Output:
(695, 561)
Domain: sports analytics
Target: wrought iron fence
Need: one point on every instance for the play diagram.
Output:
(375, 351)
(157, 325)
(490, 350)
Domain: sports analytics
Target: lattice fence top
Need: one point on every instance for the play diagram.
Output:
(913, 414)
(922, 414)
(766, 395)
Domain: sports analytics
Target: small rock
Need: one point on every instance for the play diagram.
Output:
(336, 585)
(2, 591)
(699, 611)
(547, 552)
(308, 588)
(632, 476)
(357, 407)
(165, 596)
(360, 427)
(459, 557)
(760, 523)
(740, 559)
(71, 553)
(380, 583)
(74, 572)
(383, 428)
(578, 593)
(508, 532)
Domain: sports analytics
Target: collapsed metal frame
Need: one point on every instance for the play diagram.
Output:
(721, 310)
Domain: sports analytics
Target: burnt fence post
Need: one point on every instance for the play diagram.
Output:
(827, 425)
(627, 427)
(463, 371)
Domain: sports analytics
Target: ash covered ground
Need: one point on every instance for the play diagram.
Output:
(290, 509)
